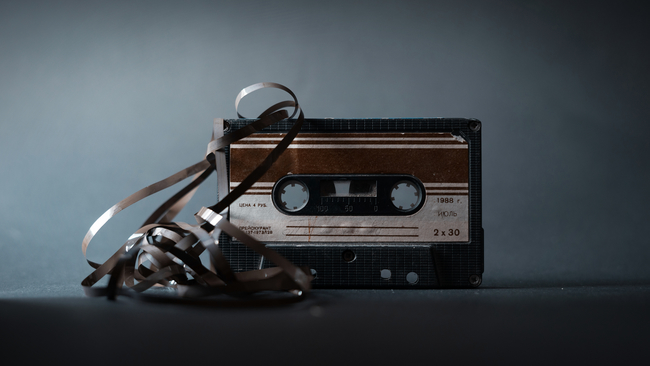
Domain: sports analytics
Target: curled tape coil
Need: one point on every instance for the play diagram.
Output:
(166, 253)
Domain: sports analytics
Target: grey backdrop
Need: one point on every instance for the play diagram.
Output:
(99, 99)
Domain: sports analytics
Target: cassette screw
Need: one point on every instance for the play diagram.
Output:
(349, 256)
(474, 125)
(475, 280)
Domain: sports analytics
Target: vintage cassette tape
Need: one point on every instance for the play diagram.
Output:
(365, 203)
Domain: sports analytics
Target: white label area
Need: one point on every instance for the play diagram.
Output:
(443, 218)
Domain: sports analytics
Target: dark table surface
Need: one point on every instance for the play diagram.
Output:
(538, 324)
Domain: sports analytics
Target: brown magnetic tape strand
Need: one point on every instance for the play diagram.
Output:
(166, 253)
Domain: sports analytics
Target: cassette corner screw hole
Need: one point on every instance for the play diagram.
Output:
(474, 125)
(475, 280)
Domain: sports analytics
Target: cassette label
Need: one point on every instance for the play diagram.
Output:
(397, 187)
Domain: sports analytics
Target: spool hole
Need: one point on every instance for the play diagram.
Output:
(293, 195)
(405, 196)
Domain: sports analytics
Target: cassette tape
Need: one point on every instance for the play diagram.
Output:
(365, 203)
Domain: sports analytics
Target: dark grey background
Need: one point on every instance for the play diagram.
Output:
(99, 99)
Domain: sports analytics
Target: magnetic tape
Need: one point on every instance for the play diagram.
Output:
(365, 203)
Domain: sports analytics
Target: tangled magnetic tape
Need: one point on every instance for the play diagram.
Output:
(166, 253)
(349, 203)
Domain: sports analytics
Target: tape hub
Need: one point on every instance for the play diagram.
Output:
(405, 196)
(293, 195)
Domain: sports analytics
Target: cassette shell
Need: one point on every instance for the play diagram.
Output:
(338, 262)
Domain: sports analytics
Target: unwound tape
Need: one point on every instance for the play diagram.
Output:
(166, 253)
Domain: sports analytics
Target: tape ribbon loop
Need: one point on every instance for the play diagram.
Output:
(166, 253)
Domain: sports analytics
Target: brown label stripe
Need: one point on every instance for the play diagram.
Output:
(423, 158)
